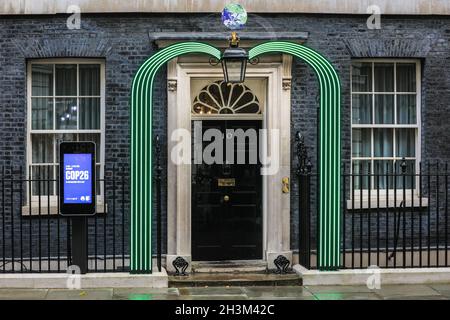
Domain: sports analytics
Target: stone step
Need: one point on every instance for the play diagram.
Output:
(234, 279)
(229, 267)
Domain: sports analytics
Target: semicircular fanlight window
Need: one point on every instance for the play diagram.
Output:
(221, 98)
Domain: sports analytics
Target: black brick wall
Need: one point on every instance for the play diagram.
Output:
(122, 40)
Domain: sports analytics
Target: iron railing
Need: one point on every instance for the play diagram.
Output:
(397, 217)
(390, 219)
(35, 238)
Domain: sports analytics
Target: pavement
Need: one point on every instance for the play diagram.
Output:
(387, 292)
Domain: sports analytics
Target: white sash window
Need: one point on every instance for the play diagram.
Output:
(65, 103)
(385, 120)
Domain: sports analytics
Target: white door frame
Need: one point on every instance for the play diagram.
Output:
(276, 204)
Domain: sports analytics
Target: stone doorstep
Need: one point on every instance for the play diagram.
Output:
(235, 266)
(361, 276)
(234, 280)
(90, 280)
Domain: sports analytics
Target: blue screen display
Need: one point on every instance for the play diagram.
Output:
(78, 178)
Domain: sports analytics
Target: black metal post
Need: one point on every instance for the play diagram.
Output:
(123, 215)
(79, 243)
(304, 175)
(437, 213)
(3, 220)
(403, 167)
(344, 212)
(158, 169)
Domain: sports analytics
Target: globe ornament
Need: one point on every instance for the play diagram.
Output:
(234, 16)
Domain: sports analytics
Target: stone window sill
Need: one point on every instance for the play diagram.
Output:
(385, 203)
(53, 210)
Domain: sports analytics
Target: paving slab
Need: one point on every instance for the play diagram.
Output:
(214, 297)
(387, 292)
(391, 291)
(23, 294)
(211, 291)
(347, 296)
(338, 289)
(145, 293)
(417, 298)
(443, 289)
(276, 292)
(284, 298)
(88, 294)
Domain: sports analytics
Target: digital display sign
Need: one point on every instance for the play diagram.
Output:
(77, 178)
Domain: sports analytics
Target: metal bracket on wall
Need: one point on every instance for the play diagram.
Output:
(180, 265)
(282, 263)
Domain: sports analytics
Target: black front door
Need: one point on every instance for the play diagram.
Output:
(227, 201)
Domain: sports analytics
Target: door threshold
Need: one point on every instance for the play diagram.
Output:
(232, 266)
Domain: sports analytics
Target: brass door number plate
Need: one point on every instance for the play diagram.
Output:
(230, 182)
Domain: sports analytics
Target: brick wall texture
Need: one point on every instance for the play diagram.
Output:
(122, 41)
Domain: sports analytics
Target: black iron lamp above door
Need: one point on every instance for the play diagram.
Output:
(234, 61)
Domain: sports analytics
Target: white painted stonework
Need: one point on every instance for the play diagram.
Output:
(413, 7)
(363, 276)
(266, 79)
(87, 281)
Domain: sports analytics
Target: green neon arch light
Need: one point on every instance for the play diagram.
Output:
(329, 146)
(141, 150)
(141, 147)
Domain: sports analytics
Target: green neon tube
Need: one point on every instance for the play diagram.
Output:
(141, 150)
(329, 162)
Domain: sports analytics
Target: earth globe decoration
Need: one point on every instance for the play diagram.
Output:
(234, 16)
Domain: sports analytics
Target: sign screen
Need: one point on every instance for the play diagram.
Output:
(78, 178)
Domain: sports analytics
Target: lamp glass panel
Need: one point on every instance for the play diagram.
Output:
(234, 69)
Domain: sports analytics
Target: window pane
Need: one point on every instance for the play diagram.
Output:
(362, 168)
(406, 77)
(409, 175)
(384, 77)
(66, 113)
(89, 113)
(362, 77)
(42, 79)
(95, 137)
(61, 137)
(89, 79)
(383, 142)
(382, 170)
(42, 181)
(362, 108)
(41, 113)
(384, 109)
(66, 79)
(406, 109)
(361, 142)
(406, 142)
(42, 148)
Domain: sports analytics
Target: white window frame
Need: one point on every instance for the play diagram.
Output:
(386, 193)
(100, 158)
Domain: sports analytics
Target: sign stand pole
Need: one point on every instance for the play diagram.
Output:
(79, 243)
